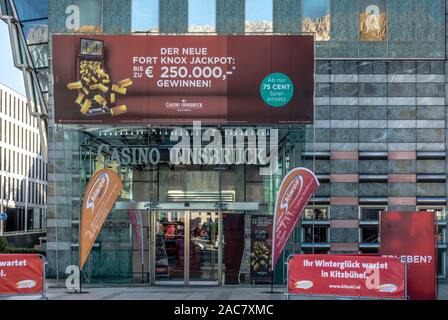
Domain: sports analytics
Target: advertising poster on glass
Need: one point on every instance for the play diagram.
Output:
(261, 248)
(124, 79)
(161, 268)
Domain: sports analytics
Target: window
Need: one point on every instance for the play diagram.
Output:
(201, 16)
(372, 20)
(369, 228)
(369, 234)
(368, 250)
(315, 214)
(36, 31)
(259, 16)
(316, 18)
(441, 221)
(371, 214)
(315, 250)
(441, 263)
(440, 214)
(31, 192)
(28, 10)
(315, 228)
(315, 234)
(85, 16)
(145, 16)
(13, 107)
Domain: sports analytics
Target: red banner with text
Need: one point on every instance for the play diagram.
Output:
(346, 276)
(412, 237)
(296, 189)
(21, 274)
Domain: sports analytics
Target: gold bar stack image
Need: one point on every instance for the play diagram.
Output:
(93, 86)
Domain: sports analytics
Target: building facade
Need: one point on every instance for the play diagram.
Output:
(22, 171)
(378, 142)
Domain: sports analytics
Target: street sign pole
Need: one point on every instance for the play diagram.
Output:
(3, 217)
(1, 204)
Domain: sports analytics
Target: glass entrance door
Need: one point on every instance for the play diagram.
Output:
(169, 256)
(186, 247)
(204, 246)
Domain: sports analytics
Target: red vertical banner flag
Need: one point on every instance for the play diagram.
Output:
(296, 189)
(412, 237)
(137, 226)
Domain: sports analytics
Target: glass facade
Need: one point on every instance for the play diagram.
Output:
(315, 17)
(84, 16)
(377, 142)
(145, 16)
(191, 190)
(258, 14)
(201, 16)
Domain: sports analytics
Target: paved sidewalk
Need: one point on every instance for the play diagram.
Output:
(230, 292)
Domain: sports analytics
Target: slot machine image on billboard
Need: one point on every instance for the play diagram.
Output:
(97, 93)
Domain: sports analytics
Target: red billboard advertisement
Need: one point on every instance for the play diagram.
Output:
(412, 237)
(347, 276)
(21, 274)
(177, 79)
(296, 189)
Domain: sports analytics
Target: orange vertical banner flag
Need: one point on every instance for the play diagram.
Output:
(101, 193)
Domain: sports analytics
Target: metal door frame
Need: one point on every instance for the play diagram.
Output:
(186, 207)
(187, 281)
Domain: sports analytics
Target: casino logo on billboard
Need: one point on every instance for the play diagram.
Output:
(123, 79)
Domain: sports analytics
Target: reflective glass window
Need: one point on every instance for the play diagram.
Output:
(201, 16)
(145, 15)
(42, 74)
(314, 234)
(441, 256)
(369, 234)
(372, 20)
(315, 214)
(258, 16)
(316, 18)
(39, 54)
(85, 16)
(371, 213)
(36, 31)
(315, 251)
(35, 9)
